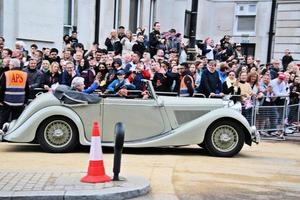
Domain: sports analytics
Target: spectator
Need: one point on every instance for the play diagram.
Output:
(210, 83)
(139, 45)
(194, 72)
(226, 53)
(6, 53)
(2, 42)
(160, 81)
(113, 43)
(119, 83)
(4, 66)
(160, 56)
(279, 89)
(187, 83)
(183, 53)
(154, 39)
(67, 55)
(53, 56)
(250, 62)
(45, 69)
(231, 85)
(69, 74)
(73, 39)
(274, 69)
(246, 97)
(286, 59)
(207, 49)
(238, 55)
(121, 32)
(55, 76)
(66, 39)
(78, 61)
(127, 43)
(137, 75)
(33, 49)
(141, 31)
(87, 73)
(35, 76)
(293, 116)
(223, 72)
(173, 43)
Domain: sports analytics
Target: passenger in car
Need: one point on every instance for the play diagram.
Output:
(78, 85)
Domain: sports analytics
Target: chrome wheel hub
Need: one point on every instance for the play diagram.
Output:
(225, 138)
(58, 133)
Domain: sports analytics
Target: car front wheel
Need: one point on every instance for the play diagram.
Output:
(224, 139)
(57, 134)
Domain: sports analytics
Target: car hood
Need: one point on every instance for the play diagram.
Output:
(186, 102)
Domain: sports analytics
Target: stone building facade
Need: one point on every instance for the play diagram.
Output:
(247, 21)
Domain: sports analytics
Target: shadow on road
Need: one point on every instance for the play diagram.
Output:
(184, 151)
(191, 151)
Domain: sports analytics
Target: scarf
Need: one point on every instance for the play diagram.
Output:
(230, 83)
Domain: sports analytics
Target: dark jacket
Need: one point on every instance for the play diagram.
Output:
(154, 37)
(35, 78)
(160, 82)
(210, 83)
(67, 79)
(286, 60)
(116, 46)
(139, 47)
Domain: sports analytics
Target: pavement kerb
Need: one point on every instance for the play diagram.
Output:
(131, 187)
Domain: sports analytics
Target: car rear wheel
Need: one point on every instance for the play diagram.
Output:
(58, 134)
(224, 139)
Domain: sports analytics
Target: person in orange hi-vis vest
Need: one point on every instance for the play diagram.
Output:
(187, 82)
(14, 92)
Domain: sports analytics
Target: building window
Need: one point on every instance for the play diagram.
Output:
(246, 23)
(68, 16)
(245, 17)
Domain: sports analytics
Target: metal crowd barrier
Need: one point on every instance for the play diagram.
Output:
(274, 121)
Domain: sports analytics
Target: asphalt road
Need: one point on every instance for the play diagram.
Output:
(270, 170)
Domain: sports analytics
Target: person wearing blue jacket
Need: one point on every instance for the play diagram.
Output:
(78, 85)
(119, 83)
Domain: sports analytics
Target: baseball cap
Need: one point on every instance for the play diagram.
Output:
(281, 76)
(120, 72)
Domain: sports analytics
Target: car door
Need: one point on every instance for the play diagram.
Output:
(142, 118)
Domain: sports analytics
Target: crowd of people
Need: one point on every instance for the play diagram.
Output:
(220, 68)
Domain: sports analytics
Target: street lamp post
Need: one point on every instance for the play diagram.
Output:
(191, 51)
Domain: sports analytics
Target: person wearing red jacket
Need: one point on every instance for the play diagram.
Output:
(138, 74)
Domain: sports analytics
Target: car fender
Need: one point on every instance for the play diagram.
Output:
(27, 131)
(192, 132)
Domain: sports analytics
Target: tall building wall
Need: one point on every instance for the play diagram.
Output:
(42, 22)
(287, 29)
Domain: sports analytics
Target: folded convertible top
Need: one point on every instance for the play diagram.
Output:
(69, 96)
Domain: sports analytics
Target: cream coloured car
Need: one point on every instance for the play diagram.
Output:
(61, 120)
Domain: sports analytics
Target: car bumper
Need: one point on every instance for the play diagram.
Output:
(3, 131)
(255, 136)
(1, 135)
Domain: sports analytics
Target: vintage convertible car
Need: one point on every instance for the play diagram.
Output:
(61, 120)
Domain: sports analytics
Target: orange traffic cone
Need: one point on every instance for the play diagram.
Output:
(96, 171)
